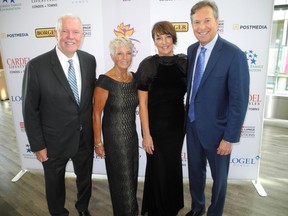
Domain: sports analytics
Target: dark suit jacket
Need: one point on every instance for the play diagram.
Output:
(222, 98)
(51, 114)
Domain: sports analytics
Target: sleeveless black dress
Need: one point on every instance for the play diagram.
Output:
(165, 80)
(121, 144)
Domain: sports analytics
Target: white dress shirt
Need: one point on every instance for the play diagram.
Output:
(65, 65)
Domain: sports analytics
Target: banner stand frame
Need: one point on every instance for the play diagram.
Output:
(19, 175)
(259, 188)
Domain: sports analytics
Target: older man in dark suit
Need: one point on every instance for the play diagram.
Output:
(57, 109)
(217, 99)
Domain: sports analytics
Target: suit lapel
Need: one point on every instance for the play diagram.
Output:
(83, 69)
(60, 75)
(215, 54)
(192, 57)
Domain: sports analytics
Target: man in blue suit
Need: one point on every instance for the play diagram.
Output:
(216, 110)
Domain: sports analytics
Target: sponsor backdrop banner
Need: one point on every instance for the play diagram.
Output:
(26, 31)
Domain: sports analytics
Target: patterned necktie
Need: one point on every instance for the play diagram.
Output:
(197, 78)
(72, 80)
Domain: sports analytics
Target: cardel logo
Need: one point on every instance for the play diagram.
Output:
(16, 98)
(255, 101)
(44, 32)
(181, 26)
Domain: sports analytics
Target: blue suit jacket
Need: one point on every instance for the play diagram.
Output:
(222, 98)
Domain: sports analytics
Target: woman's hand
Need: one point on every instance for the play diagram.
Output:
(99, 150)
(147, 144)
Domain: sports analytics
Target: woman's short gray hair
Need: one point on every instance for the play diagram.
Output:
(119, 41)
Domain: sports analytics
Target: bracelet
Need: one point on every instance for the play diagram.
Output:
(98, 145)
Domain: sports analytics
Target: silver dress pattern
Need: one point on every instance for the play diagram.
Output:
(121, 143)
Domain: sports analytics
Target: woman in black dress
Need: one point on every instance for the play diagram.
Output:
(161, 89)
(116, 94)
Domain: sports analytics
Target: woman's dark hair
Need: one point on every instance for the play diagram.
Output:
(164, 27)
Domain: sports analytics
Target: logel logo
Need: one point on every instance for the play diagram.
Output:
(125, 30)
(244, 161)
(16, 99)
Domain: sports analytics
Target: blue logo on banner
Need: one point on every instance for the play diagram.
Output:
(12, 1)
(241, 161)
(251, 57)
(28, 149)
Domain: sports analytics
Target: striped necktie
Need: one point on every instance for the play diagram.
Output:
(72, 80)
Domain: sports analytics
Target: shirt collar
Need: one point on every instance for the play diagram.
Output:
(211, 44)
(64, 58)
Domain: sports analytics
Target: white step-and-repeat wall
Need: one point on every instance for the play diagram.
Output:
(26, 31)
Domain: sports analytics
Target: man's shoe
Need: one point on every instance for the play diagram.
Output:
(195, 213)
(84, 213)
